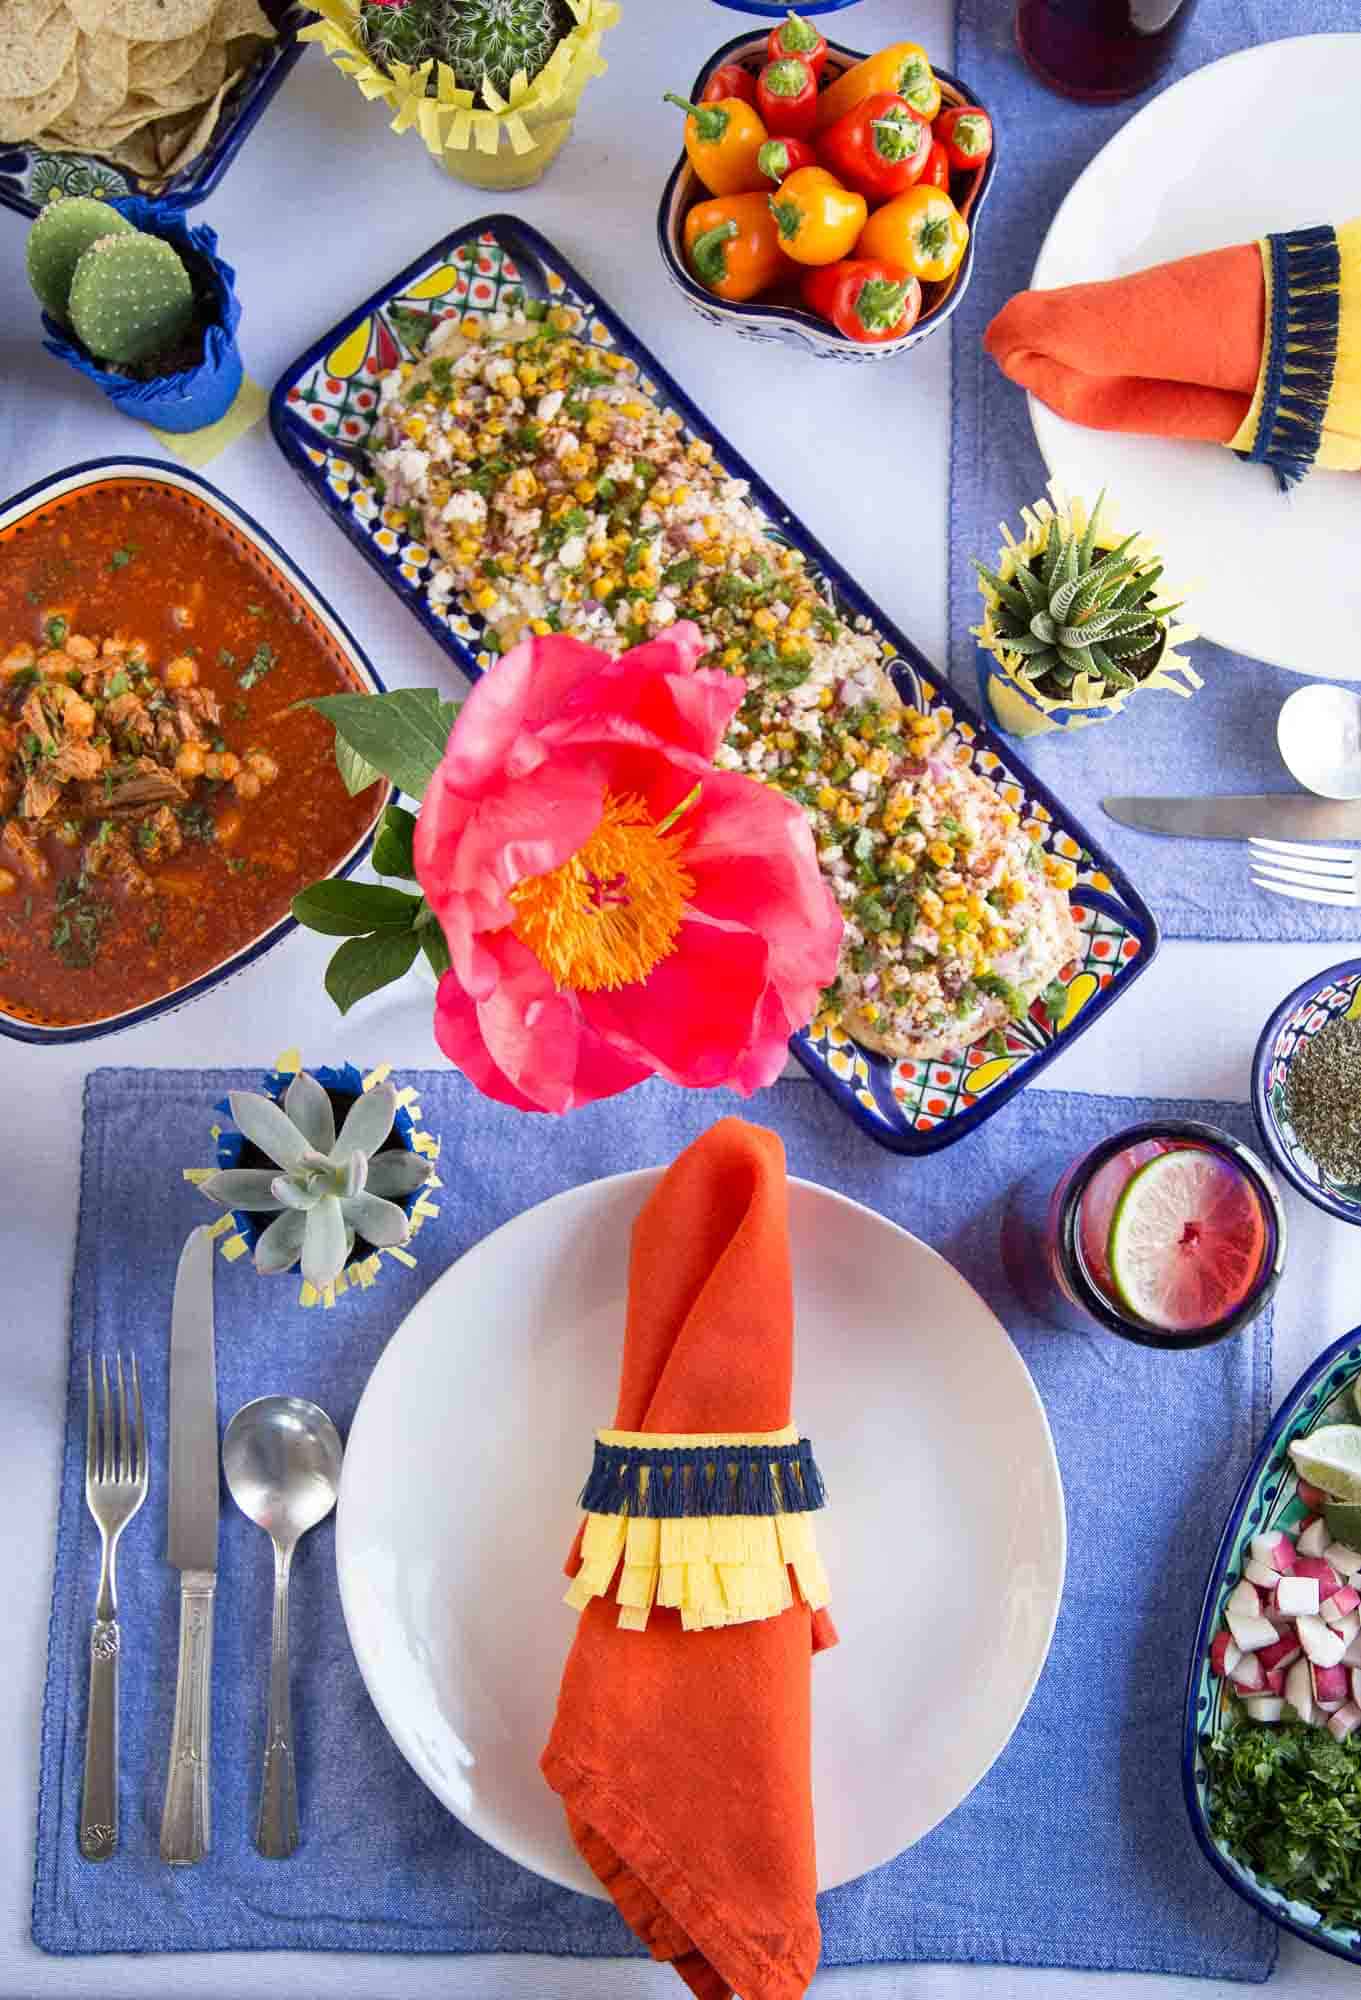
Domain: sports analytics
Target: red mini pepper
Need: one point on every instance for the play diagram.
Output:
(966, 134)
(787, 98)
(796, 37)
(865, 298)
(779, 158)
(880, 147)
(729, 80)
(936, 172)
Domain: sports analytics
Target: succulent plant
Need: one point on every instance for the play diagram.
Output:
(324, 1190)
(1072, 609)
(131, 297)
(59, 238)
(479, 40)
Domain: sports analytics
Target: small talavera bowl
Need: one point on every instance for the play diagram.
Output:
(784, 320)
(1015, 705)
(239, 1231)
(1326, 996)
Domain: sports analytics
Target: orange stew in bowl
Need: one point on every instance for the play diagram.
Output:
(162, 798)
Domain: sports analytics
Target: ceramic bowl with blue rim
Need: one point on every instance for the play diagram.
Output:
(322, 410)
(1267, 1501)
(1334, 995)
(30, 176)
(785, 320)
(307, 604)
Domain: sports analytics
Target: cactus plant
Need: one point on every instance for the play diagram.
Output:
(131, 298)
(479, 40)
(58, 240)
(324, 1190)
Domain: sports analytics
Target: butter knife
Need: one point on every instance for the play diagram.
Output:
(1275, 815)
(192, 1547)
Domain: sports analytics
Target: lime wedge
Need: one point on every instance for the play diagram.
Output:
(1344, 1523)
(1331, 1458)
(1186, 1240)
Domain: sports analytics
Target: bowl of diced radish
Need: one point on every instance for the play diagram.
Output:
(1291, 1637)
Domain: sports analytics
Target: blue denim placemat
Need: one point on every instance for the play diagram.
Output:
(1224, 738)
(1074, 1850)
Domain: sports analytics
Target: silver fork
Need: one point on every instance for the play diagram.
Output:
(115, 1487)
(1308, 874)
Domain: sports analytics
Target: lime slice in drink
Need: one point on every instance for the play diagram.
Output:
(1186, 1240)
(1331, 1458)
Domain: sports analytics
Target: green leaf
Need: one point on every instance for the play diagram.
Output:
(350, 909)
(434, 946)
(392, 850)
(401, 734)
(363, 964)
(355, 774)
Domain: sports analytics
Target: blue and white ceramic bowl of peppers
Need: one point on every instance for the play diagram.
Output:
(1334, 995)
(785, 319)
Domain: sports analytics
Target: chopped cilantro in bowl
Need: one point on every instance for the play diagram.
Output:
(1286, 1802)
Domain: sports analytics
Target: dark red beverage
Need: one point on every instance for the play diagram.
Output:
(1100, 50)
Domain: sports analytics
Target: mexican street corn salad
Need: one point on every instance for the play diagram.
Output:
(556, 496)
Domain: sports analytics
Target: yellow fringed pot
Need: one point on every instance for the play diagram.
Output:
(1017, 707)
(504, 142)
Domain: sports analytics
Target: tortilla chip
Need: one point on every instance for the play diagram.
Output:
(158, 20)
(181, 140)
(102, 66)
(151, 65)
(25, 117)
(198, 83)
(242, 17)
(137, 152)
(130, 116)
(37, 41)
(90, 16)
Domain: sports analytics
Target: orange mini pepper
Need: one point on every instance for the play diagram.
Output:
(922, 230)
(818, 219)
(732, 245)
(902, 68)
(722, 140)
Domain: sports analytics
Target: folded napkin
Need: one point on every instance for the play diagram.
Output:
(1257, 347)
(680, 1748)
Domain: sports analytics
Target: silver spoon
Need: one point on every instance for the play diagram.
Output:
(1319, 733)
(281, 1456)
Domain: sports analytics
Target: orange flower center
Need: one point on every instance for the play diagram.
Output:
(610, 914)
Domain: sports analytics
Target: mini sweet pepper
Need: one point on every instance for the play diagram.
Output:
(922, 230)
(902, 68)
(722, 140)
(865, 298)
(787, 98)
(879, 148)
(779, 158)
(818, 219)
(729, 80)
(966, 134)
(796, 37)
(732, 245)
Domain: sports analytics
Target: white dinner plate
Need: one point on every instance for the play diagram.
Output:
(1196, 170)
(944, 1534)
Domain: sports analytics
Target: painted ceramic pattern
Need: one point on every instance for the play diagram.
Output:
(1338, 998)
(29, 176)
(1268, 1500)
(323, 410)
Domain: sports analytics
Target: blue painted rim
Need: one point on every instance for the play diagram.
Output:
(294, 438)
(99, 468)
(1344, 1211)
(1285, 1420)
(817, 332)
(203, 174)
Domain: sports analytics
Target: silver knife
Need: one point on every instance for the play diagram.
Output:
(192, 1546)
(1274, 815)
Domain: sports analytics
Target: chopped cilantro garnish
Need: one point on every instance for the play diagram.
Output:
(118, 684)
(261, 660)
(122, 557)
(56, 629)
(678, 574)
(255, 610)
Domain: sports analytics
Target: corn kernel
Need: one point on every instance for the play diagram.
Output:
(522, 485)
(825, 698)
(827, 798)
(711, 524)
(785, 739)
(680, 495)
(901, 863)
(845, 811)
(870, 1010)
(764, 620)
(975, 905)
(982, 966)
(585, 491)
(800, 618)
(540, 627)
(878, 762)
(661, 496)
(941, 853)
(597, 547)
(731, 655)
(1015, 891)
(632, 410)
(485, 598)
(1062, 874)
(997, 939)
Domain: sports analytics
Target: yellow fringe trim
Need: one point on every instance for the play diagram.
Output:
(720, 1569)
(1340, 446)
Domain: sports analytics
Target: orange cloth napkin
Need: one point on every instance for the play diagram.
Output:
(682, 1757)
(1170, 352)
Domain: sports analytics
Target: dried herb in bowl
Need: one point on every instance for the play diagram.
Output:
(1323, 1099)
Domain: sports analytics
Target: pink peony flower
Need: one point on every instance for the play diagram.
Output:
(615, 907)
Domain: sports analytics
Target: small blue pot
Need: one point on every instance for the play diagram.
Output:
(199, 396)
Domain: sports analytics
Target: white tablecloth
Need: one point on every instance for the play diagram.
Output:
(323, 204)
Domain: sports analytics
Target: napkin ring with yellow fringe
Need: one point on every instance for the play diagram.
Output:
(707, 1524)
(1306, 408)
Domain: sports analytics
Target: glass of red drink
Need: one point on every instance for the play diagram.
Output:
(1100, 50)
(1172, 1235)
